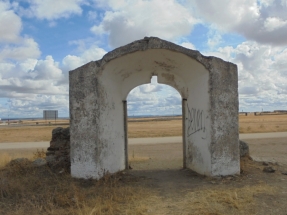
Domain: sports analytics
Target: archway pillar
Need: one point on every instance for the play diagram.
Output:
(223, 88)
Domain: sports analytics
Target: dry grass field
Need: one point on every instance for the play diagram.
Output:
(144, 127)
(173, 126)
(262, 123)
(156, 184)
(26, 133)
(155, 127)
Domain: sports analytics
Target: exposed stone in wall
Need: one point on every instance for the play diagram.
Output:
(58, 154)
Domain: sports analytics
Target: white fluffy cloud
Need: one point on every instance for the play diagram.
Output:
(127, 21)
(33, 85)
(25, 48)
(93, 53)
(273, 23)
(51, 10)
(262, 74)
(12, 45)
(10, 24)
(188, 45)
(34, 106)
(262, 21)
(154, 99)
(30, 78)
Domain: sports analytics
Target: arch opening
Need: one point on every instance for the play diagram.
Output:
(154, 111)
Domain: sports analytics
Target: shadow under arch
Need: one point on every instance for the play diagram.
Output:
(150, 111)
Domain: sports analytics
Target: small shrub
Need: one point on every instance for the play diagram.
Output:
(39, 154)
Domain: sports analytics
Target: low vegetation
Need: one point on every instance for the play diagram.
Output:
(25, 189)
(145, 127)
(30, 190)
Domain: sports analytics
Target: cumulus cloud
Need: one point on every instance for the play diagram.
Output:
(25, 48)
(93, 53)
(262, 21)
(127, 21)
(46, 76)
(188, 45)
(12, 45)
(51, 10)
(149, 88)
(37, 84)
(272, 23)
(10, 24)
(166, 100)
(31, 86)
(262, 73)
(34, 106)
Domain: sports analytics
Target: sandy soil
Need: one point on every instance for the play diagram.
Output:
(160, 166)
(271, 149)
(164, 156)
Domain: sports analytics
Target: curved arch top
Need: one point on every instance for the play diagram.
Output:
(208, 86)
(154, 43)
(172, 68)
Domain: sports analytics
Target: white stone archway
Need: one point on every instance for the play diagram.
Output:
(209, 91)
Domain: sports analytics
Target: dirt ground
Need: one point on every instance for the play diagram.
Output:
(160, 167)
(157, 184)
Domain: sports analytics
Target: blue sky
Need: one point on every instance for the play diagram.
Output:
(41, 40)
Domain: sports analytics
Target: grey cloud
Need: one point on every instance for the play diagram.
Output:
(248, 90)
(239, 17)
(131, 20)
(150, 88)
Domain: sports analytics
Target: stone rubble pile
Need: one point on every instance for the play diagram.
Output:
(58, 154)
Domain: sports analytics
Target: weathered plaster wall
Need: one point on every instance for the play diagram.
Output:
(224, 117)
(98, 89)
(198, 124)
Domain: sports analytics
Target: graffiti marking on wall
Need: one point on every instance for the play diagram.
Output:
(196, 121)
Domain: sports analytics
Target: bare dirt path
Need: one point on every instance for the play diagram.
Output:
(178, 139)
(24, 145)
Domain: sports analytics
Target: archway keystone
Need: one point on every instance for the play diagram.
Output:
(209, 90)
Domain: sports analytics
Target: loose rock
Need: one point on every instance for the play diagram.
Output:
(39, 162)
(268, 169)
